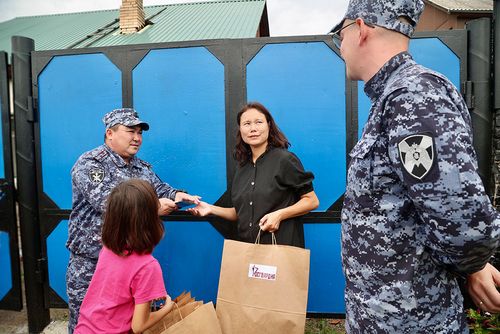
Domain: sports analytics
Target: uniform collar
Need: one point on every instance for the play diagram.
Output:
(118, 160)
(376, 85)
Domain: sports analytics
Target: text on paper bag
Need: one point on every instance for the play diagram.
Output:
(262, 271)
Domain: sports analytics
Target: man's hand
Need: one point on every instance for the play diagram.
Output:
(482, 287)
(166, 206)
(180, 197)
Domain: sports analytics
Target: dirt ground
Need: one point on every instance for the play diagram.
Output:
(13, 322)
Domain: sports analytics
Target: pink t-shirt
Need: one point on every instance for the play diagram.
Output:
(119, 283)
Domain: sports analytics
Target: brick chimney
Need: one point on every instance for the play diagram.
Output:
(131, 16)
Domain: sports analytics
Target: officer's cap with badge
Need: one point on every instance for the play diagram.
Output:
(124, 116)
(384, 13)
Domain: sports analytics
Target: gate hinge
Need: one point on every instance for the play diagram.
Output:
(40, 272)
(468, 94)
(32, 108)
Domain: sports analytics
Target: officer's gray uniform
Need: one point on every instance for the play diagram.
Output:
(94, 175)
(415, 211)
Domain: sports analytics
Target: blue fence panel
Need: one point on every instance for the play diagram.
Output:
(6, 276)
(180, 92)
(303, 86)
(75, 91)
(190, 255)
(58, 257)
(429, 52)
(326, 286)
(2, 163)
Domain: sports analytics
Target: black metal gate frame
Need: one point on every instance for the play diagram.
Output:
(234, 54)
(8, 218)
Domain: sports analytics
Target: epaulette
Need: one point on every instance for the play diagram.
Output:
(147, 164)
(99, 154)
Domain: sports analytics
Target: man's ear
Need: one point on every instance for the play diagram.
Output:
(109, 133)
(364, 30)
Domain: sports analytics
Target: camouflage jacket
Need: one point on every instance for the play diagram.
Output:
(415, 211)
(94, 175)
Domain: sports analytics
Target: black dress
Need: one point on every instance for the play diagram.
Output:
(275, 181)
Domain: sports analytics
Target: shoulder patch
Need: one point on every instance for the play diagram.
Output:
(417, 154)
(96, 175)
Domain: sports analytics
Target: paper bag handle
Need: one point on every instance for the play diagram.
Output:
(177, 306)
(273, 238)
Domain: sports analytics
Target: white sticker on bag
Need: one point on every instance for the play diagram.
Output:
(261, 271)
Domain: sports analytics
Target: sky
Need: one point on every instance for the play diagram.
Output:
(286, 17)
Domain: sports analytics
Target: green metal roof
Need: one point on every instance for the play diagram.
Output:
(168, 23)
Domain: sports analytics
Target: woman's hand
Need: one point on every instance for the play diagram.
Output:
(202, 209)
(271, 222)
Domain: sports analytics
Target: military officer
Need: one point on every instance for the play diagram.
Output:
(415, 212)
(94, 175)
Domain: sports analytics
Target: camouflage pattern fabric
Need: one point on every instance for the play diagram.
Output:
(124, 116)
(78, 277)
(386, 14)
(94, 175)
(415, 212)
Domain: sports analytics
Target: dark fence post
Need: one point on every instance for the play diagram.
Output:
(38, 314)
(13, 300)
(496, 103)
(479, 78)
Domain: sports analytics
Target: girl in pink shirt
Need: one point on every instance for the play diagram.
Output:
(127, 278)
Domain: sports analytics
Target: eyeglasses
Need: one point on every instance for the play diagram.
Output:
(337, 39)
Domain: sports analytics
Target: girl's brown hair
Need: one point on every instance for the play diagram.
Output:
(242, 151)
(131, 221)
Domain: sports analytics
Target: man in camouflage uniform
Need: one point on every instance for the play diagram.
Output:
(415, 212)
(94, 175)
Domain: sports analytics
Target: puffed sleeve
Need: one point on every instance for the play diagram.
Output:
(292, 175)
(430, 144)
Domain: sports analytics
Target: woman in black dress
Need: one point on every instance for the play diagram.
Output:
(270, 188)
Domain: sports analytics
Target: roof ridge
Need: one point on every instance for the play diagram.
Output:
(151, 6)
(59, 14)
(463, 6)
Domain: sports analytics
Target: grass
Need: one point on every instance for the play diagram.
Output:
(324, 326)
(483, 322)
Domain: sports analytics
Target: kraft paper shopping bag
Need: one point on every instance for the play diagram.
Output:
(263, 288)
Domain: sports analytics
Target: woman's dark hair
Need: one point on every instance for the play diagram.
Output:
(131, 221)
(242, 151)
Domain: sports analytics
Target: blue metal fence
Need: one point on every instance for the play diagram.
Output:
(182, 90)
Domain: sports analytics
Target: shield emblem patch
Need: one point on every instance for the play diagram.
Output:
(417, 154)
(96, 175)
